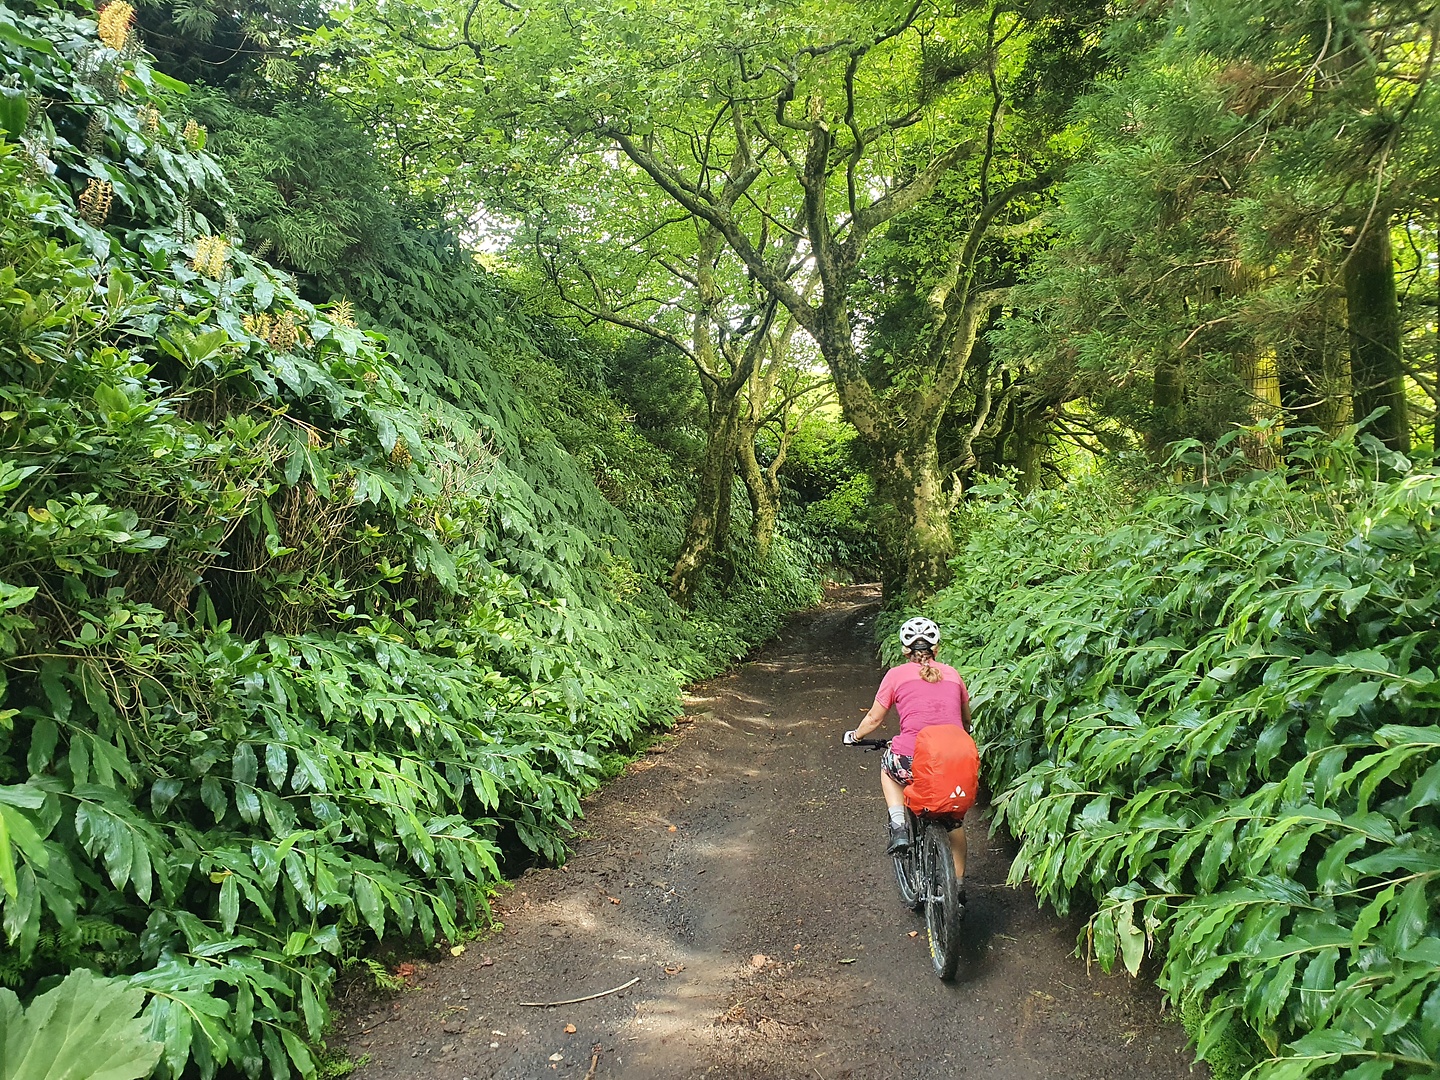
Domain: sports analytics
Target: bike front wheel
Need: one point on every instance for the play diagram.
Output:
(943, 910)
(908, 878)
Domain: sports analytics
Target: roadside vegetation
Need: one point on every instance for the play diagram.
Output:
(1208, 715)
(400, 404)
(312, 620)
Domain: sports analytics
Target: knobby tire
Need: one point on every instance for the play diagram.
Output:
(943, 912)
(907, 875)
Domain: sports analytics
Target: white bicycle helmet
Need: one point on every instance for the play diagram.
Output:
(920, 632)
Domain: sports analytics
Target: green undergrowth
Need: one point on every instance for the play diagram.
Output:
(304, 627)
(1210, 719)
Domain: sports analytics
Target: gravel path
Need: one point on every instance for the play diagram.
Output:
(738, 875)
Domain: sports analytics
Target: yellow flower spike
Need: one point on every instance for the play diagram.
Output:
(95, 201)
(194, 135)
(114, 24)
(218, 257)
(211, 255)
(258, 325)
(284, 337)
(343, 314)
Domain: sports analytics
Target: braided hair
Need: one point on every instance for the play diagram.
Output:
(924, 655)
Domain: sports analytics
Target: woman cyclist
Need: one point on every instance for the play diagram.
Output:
(924, 692)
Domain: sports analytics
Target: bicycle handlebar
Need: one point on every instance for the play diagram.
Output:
(868, 744)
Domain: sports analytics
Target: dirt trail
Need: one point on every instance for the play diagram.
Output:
(757, 911)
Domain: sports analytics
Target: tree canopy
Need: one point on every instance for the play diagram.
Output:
(403, 400)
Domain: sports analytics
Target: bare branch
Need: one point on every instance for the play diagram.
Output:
(951, 293)
(602, 310)
(910, 194)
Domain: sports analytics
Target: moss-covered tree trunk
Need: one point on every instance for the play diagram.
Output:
(1259, 372)
(1167, 403)
(706, 531)
(1373, 316)
(762, 482)
(762, 490)
(931, 542)
(1315, 371)
(917, 540)
(1031, 441)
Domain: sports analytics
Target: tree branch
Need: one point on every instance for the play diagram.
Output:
(675, 185)
(605, 312)
(907, 195)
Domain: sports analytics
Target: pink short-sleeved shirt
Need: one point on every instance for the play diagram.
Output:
(921, 703)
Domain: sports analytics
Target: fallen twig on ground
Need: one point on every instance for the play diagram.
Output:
(576, 1001)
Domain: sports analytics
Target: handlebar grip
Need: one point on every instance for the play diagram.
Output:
(850, 738)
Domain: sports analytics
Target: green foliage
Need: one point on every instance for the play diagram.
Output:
(302, 180)
(1229, 1056)
(1204, 268)
(299, 636)
(245, 45)
(83, 1029)
(824, 474)
(1212, 716)
(842, 525)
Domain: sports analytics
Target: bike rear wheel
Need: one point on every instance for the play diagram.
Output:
(943, 910)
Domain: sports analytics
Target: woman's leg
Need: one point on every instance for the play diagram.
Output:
(958, 850)
(894, 793)
(895, 805)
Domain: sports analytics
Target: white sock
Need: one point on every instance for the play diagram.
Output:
(897, 815)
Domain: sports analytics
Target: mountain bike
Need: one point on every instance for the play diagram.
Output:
(925, 873)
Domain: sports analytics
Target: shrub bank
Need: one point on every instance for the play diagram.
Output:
(288, 636)
(1211, 718)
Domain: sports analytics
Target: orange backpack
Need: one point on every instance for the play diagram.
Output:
(946, 771)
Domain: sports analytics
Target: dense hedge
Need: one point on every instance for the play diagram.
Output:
(1211, 720)
(298, 628)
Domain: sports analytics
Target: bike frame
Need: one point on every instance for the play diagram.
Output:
(925, 874)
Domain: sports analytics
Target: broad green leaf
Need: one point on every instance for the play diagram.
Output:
(213, 796)
(1370, 917)
(165, 82)
(298, 1053)
(22, 913)
(229, 903)
(367, 900)
(1276, 992)
(1425, 791)
(245, 769)
(7, 861)
(18, 831)
(44, 738)
(8, 32)
(84, 1029)
(1430, 1019)
(164, 792)
(1412, 915)
(277, 765)
(1130, 937)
